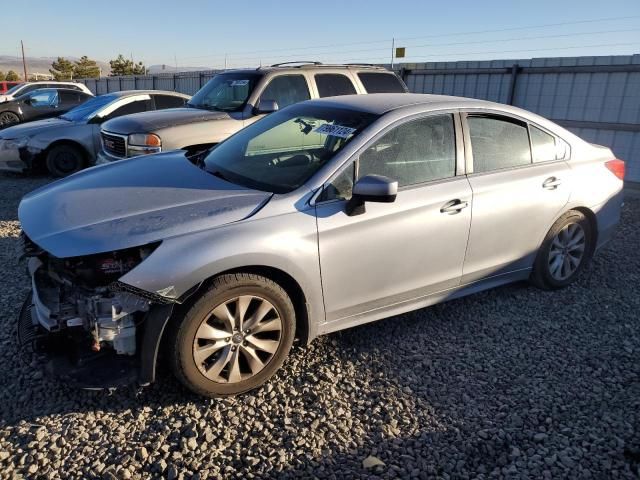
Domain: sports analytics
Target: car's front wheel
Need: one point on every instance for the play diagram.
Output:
(234, 337)
(565, 251)
(63, 160)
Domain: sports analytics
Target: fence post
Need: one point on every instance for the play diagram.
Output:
(200, 77)
(153, 82)
(135, 82)
(515, 69)
(120, 84)
(174, 82)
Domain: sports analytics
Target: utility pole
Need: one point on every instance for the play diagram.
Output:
(225, 61)
(393, 47)
(24, 62)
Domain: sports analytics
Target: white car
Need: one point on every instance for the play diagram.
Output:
(26, 87)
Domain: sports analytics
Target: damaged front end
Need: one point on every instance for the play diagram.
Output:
(88, 327)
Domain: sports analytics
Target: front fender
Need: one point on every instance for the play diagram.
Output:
(287, 242)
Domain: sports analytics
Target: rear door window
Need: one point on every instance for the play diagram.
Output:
(379, 82)
(333, 85)
(286, 90)
(498, 143)
(543, 145)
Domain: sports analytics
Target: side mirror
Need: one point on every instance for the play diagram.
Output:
(371, 188)
(266, 106)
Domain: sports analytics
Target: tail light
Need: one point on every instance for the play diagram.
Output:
(616, 167)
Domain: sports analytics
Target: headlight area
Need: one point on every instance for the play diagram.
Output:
(143, 144)
(80, 320)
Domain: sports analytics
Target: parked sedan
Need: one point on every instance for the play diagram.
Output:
(70, 142)
(17, 89)
(374, 205)
(38, 104)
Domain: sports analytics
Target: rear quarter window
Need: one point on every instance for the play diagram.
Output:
(378, 82)
(168, 101)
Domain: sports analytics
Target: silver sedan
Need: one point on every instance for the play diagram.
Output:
(322, 216)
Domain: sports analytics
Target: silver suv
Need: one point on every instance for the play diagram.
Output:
(234, 99)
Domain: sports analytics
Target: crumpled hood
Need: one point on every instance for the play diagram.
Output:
(155, 120)
(28, 129)
(132, 203)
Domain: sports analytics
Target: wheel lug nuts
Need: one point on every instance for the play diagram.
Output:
(247, 331)
(245, 344)
(233, 349)
(228, 339)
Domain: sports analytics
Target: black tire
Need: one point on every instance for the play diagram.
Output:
(541, 275)
(8, 118)
(63, 160)
(182, 333)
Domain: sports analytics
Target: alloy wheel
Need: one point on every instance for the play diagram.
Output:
(237, 339)
(567, 251)
(8, 118)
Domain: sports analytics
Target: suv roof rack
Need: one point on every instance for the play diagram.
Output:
(301, 62)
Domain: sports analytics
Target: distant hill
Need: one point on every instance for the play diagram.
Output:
(40, 65)
(171, 69)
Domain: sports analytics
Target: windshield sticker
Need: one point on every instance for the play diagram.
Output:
(335, 130)
(240, 83)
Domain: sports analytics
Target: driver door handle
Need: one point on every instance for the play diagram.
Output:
(551, 183)
(454, 206)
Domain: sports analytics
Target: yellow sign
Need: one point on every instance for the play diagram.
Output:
(400, 51)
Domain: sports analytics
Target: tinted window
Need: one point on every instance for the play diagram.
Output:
(70, 98)
(286, 90)
(414, 152)
(498, 143)
(376, 82)
(333, 85)
(168, 101)
(44, 98)
(129, 108)
(543, 145)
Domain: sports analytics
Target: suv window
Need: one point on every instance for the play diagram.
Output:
(168, 101)
(333, 85)
(129, 108)
(415, 152)
(287, 90)
(44, 98)
(497, 143)
(70, 98)
(378, 82)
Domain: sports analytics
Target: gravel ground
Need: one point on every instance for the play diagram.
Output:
(510, 383)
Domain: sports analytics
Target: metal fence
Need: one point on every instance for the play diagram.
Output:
(598, 98)
(184, 82)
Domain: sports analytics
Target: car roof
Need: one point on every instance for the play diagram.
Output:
(380, 103)
(128, 93)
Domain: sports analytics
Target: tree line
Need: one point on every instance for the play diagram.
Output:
(63, 69)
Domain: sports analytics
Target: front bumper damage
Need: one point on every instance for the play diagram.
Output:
(91, 336)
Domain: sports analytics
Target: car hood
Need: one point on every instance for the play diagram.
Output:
(155, 120)
(132, 203)
(28, 129)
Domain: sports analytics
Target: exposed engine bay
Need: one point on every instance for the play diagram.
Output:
(78, 307)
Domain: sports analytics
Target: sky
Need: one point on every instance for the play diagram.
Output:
(245, 33)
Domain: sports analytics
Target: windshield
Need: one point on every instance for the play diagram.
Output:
(227, 92)
(283, 150)
(84, 111)
(14, 89)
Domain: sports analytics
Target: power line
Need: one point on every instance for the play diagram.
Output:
(387, 41)
(512, 39)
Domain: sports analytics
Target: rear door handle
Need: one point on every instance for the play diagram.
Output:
(551, 183)
(454, 206)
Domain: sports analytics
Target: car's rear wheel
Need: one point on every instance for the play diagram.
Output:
(8, 118)
(565, 251)
(63, 160)
(234, 337)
